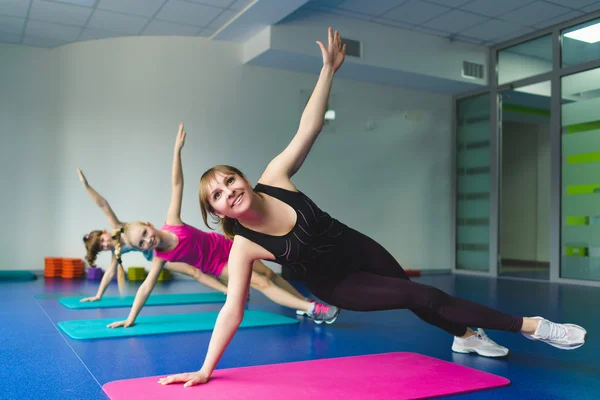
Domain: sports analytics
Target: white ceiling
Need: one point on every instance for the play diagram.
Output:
(51, 23)
(485, 22)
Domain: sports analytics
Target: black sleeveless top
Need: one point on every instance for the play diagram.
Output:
(313, 240)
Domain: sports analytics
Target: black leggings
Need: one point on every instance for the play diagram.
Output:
(370, 279)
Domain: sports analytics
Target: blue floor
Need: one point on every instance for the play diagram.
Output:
(542, 274)
(39, 362)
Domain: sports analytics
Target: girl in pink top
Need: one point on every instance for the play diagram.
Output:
(207, 251)
(177, 242)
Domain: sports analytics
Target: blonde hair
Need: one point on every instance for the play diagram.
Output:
(92, 242)
(117, 238)
(227, 224)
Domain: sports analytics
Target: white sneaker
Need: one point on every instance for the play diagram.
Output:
(562, 336)
(479, 343)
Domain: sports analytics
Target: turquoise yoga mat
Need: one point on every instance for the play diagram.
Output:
(153, 300)
(57, 296)
(170, 323)
(14, 276)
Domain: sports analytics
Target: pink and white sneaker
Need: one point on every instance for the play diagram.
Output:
(324, 313)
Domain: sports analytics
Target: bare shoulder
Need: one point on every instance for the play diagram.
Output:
(246, 250)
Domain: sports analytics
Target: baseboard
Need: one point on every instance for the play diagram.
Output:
(435, 271)
(524, 263)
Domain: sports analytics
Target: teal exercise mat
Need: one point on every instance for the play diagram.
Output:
(15, 276)
(56, 296)
(159, 324)
(153, 300)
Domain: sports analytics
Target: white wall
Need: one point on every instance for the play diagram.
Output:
(28, 154)
(525, 212)
(118, 103)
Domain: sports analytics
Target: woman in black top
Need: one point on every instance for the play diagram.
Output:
(275, 221)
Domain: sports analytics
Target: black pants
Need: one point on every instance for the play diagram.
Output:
(368, 278)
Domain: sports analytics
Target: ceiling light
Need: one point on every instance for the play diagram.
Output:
(589, 34)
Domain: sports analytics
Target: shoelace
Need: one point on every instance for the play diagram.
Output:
(321, 308)
(557, 332)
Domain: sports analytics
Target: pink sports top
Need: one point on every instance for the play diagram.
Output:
(207, 251)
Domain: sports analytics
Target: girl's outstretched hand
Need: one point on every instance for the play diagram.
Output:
(190, 379)
(125, 324)
(334, 54)
(180, 141)
(88, 299)
(82, 177)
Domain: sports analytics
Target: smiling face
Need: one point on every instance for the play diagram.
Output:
(95, 242)
(229, 195)
(142, 236)
(106, 242)
(224, 192)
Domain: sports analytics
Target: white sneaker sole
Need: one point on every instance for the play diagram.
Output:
(481, 352)
(302, 313)
(331, 321)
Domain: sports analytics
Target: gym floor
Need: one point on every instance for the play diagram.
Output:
(39, 361)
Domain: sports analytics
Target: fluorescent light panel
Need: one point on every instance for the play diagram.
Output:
(589, 34)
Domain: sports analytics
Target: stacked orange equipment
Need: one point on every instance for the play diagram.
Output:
(66, 268)
(52, 267)
(72, 268)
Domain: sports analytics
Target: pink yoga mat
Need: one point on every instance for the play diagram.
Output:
(378, 376)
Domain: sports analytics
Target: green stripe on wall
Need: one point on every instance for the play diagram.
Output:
(583, 127)
(526, 110)
(576, 251)
(575, 220)
(583, 158)
(583, 189)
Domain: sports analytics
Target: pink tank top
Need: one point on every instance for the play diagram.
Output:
(207, 251)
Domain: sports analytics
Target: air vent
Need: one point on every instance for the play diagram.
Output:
(472, 70)
(353, 47)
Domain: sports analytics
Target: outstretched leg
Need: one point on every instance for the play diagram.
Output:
(267, 284)
(366, 291)
(373, 281)
(262, 269)
(280, 296)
